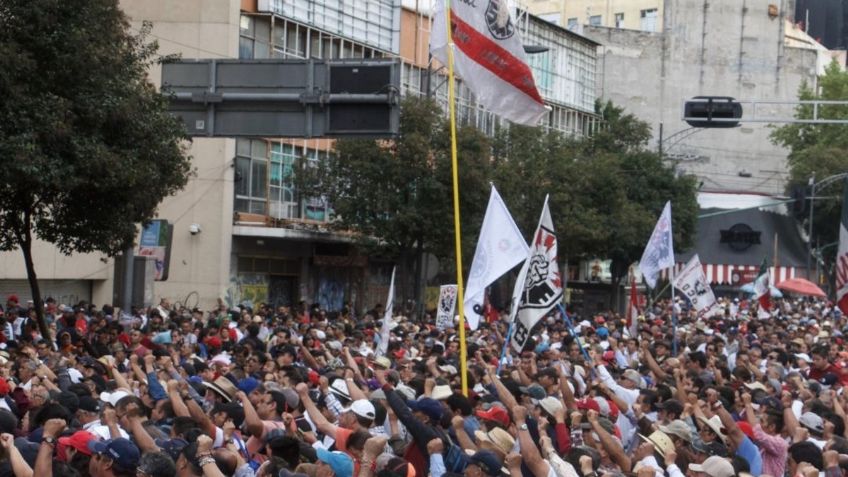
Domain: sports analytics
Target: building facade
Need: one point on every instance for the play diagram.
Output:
(259, 240)
(644, 15)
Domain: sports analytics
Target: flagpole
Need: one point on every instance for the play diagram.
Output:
(673, 314)
(463, 351)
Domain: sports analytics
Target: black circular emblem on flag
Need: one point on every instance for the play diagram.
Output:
(498, 20)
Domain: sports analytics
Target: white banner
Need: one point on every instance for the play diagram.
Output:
(692, 282)
(447, 304)
(499, 248)
(387, 318)
(489, 57)
(659, 253)
(539, 285)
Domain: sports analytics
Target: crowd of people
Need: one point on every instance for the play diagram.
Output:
(300, 392)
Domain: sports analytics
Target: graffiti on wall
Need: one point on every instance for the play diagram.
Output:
(247, 289)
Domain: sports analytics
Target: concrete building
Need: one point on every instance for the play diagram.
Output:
(716, 48)
(259, 240)
(644, 15)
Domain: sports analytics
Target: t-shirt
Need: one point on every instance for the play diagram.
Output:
(255, 444)
(342, 436)
(751, 453)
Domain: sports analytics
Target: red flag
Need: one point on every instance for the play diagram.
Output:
(842, 256)
(633, 310)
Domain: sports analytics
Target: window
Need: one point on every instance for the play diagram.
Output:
(572, 24)
(619, 20)
(648, 19)
(595, 20)
(551, 17)
(251, 181)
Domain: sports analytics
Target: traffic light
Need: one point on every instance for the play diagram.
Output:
(712, 112)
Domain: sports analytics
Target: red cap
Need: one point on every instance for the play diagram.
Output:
(213, 341)
(4, 387)
(400, 353)
(600, 320)
(746, 428)
(78, 440)
(609, 355)
(314, 377)
(12, 298)
(588, 404)
(495, 413)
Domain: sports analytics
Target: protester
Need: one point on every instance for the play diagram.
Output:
(299, 391)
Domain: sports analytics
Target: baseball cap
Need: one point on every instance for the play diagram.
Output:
(678, 428)
(172, 447)
(535, 391)
(88, 404)
(113, 397)
(248, 384)
(551, 405)
(714, 466)
(812, 421)
(78, 440)
(495, 413)
(123, 453)
(340, 462)
(633, 375)
(487, 461)
(362, 408)
(430, 407)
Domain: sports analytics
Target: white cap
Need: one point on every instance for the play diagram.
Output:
(113, 397)
(363, 408)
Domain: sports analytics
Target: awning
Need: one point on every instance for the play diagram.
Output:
(737, 275)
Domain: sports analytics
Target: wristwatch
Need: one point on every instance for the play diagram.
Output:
(522, 427)
(48, 440)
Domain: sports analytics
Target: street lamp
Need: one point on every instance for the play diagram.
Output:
(813, 187)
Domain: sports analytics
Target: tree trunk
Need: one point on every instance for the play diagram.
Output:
(26, 248)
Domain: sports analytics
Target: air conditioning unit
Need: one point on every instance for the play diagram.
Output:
(284, 210)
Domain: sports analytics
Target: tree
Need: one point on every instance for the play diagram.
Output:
(820, 150)
(606, 191)
(87, 146)
(396, 195)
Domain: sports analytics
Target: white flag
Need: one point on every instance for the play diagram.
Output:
(387, 318)
(659, 253)
(539, 285)
(446, 306)
(499, 248)
(489, 57)
(693, 283)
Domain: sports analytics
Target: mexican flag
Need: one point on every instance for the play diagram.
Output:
(762, 291)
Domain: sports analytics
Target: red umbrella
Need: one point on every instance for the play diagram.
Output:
(801, 287)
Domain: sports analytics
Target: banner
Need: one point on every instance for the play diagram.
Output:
(692, 282)
(842, 256)
(490, 58)
(499, 248)
(659, 253)
(539, 286)
(633, 310)
(387, 318)
(447, 304)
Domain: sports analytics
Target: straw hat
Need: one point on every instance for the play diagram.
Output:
(660, 440)
(714, 423)
(224, 387)
(497, 437)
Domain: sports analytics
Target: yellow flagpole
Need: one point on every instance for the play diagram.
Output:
(463, 351)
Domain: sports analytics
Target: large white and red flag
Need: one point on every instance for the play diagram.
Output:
(842, 256)
(489, 57)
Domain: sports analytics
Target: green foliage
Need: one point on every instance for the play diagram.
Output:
(819, 149)
(87, 147)
(606, 191)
